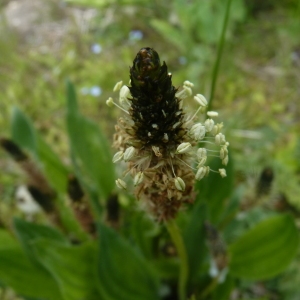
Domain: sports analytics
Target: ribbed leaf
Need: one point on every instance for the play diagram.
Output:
(73, 268)
(123, 273)
(23, 132)
(194, 239)
(265, 250)
(19, 273)
(89, 147)
(27, 233)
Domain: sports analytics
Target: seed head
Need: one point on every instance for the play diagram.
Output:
(158, 140)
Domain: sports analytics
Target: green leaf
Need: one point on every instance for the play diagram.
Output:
(90, 148)
(194, 240)
(143, 230)
(27, 233)
(21, 275)
(215, 189)
(26, 136)
(223, 290)
(73, 268)
(23, 132)
(123, 273)
(265, 250)
(54, 169)
(170, 33)
(6, 240)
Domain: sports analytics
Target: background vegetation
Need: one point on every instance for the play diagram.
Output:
(92, 43)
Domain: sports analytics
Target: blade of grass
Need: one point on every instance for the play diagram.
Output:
(219, 54)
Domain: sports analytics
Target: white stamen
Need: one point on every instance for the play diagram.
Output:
(183, 148)
(165, 138)
(222, 173)
(212, 114)
(209, 124)
(179, 184)
(138, 178)
(202, 171)
(188, 84)
(121, 184)
(220, 139)
(118, 156)
(200, 99)
(129, 153)
(201, 152)
(118, 86)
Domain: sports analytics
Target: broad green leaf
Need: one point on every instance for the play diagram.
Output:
(90, 147)
(20, 274)
(23, 132)
(122, 272)
(54, 169)
(143, 230)
(27, 233)
(215, 190)
(194, 240)
(26, 136)
(73, 268)
(265, 250)
(6, 240)
(167, 267)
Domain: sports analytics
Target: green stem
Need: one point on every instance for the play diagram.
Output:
(219, 54)
(209, 288)
(184, 268)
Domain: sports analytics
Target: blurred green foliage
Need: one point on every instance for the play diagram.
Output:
(247, 222)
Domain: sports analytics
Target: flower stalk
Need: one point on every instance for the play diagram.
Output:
(184, 267)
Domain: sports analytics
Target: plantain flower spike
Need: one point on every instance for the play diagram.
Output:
(164, 148)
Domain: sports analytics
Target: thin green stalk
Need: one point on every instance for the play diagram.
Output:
(184, 268)
(209, 288)
(219, 54)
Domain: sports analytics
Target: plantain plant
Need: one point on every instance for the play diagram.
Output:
(174, 240)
